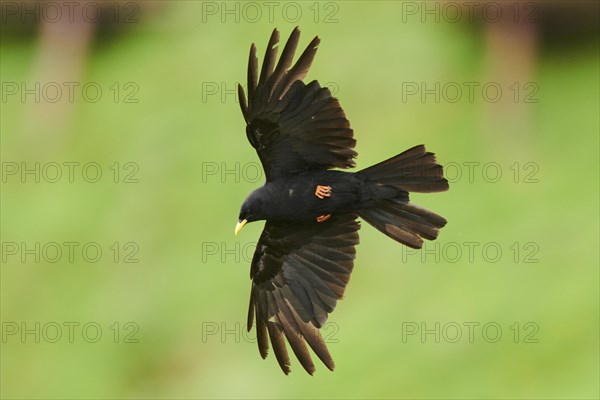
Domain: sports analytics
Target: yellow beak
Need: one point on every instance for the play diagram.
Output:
(240, 225)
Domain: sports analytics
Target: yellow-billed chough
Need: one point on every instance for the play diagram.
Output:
(305, 254)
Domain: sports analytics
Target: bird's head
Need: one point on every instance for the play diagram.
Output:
(253, 209)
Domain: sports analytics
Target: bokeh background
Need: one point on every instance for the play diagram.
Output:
(160, 313)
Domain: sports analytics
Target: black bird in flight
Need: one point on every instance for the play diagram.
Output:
(305, 253)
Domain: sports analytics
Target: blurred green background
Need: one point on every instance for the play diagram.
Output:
(172, 322)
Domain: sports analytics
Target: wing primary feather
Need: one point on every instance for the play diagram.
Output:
(281, 354)
(250, 320)
(252, 72)
(314, 339)
(285, 61)
(292, 333)
(299, 70)
(261, 324)
(243, 104)
(270, 56)
(262, 339)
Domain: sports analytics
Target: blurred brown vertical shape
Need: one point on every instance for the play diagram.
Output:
(511, 43)
(61, 54)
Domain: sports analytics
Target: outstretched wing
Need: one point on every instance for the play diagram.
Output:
(293, 127)
(299, 271)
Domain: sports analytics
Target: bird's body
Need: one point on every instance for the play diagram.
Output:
(305, 255)
(293, 198)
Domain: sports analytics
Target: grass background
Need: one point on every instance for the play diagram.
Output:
(177, 290)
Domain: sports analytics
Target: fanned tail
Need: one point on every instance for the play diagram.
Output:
(414, 170)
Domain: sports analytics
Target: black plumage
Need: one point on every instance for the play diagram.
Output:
(306, 252)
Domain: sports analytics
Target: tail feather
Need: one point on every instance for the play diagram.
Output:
(406, 223)
(414, 170)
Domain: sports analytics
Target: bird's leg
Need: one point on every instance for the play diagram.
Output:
(323, 218)
(323, 191)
